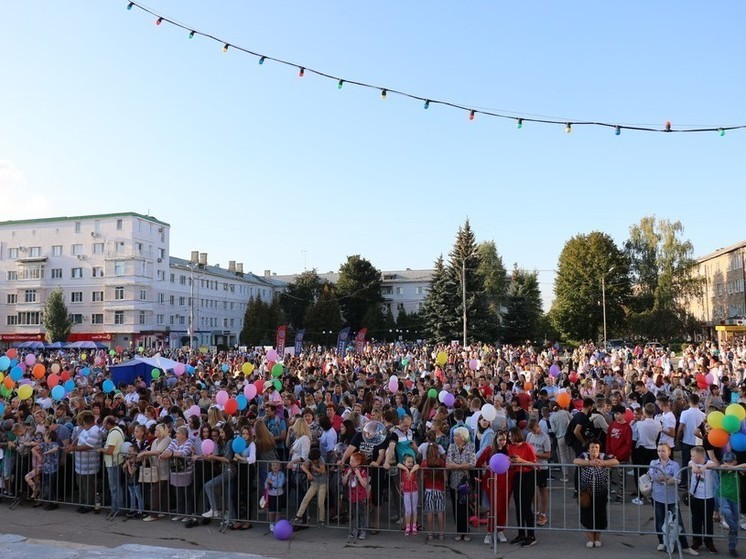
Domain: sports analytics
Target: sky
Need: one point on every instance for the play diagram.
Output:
(104, 111)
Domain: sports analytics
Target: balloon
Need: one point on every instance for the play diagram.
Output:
(563, 399)
(277, 370)
(179, 369)
(140, 349)
(83, 357)
(156, 374)
(225, 367)
(249, 391)
(64, 376)
(16, 373)
(629, 415)
(58, 392)
(709, 378)
(522, 424)
(231, 406)
(120, 349)
(52, 381)
(573, 377)
(221, 397)
(442, 396)
(238, 445)
(55, 368)
(405, 362)
(473, 364)
(108, 386)
(39, 371)
(718, 438)
(12, 353)
(25, 392)
(112, 352)
(2, 409)
(247, 368)
(731, 424)
(283, 530)
(4, 362)
(432, 393)
(190, 369)
(277, 384)
(69, 385)
(30, 359)
(441, 358)
(449, 400)
(401, 412)
(9, 383)
(374, 432)
(527, 386)
(194, 410)
(271, 355)
(85, 371)
(242, 402)
(4, 391)
(715, 419)
(554, 371)
(738, 442)
(499, 463)
(98, 361)
(737, 411)
(208, 447)
(489, 412)
(259, 385)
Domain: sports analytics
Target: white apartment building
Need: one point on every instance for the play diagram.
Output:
(120, 284)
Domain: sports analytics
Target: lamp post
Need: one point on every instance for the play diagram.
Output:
(603, 299)
(463, 287)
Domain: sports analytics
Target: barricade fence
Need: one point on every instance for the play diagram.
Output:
(437, 501)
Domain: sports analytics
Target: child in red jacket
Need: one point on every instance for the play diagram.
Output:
(619, 445)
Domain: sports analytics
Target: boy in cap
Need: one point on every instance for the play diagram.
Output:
(728, 493)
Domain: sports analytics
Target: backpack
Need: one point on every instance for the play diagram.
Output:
(570, 433)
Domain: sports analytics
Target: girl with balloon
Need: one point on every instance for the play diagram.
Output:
(496, 484)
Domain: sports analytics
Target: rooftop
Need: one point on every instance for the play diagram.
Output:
(721, 251)
(82, 218)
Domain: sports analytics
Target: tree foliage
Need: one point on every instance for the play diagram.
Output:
(261, 321)
(494, 278)
(438, 309)
(299, 296)
(358, 289)
(587, 262)
(57, 321)
(522, 319)
(323, 315)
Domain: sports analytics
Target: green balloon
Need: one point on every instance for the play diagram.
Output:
(404, 362)
(277, 383)
(277, 370)
(112, 352)
(156, 374)
(432, 393)
(731, 424)
(4, 391)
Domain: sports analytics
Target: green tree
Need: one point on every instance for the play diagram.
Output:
(323, 315)
(661, 268)
(522, 319)
(358, 289)
(299, 295)
(255, 324)
(438, 313)
(586, 263)
(57, 321)
(495, 280)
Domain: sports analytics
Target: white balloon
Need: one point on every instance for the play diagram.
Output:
(489, 412)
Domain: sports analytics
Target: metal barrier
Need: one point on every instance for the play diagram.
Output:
(201, 489)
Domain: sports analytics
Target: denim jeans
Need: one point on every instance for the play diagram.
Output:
(136, 504)
(227, 482)
(115, 489)
(660, 515)
(729, 512)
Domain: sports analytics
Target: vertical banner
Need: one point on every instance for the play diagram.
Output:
(280, 342)
(299, 341)
(360, 340)
(344, 333)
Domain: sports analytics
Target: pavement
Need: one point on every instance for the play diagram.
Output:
(64, 534)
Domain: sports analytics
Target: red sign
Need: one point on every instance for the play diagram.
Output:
(22, 337)
(280, 341)
(89, 337)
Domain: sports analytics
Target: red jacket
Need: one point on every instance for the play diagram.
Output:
(619, 441)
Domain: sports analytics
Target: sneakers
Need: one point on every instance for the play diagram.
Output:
(211, 514)
(150, 518)
(691, 551)
(517, 540)
(661, 547)
(597, 543)
(589, 544)
(177, 518)
(712, 549)
(637, 501)
(541, 519)
(271, 526)
(362, 536)
(488, 539)
(501, 537)
(528, 542)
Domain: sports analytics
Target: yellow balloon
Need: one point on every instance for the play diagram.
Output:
(25, 392)
(441, 358)
(2, 377)
(737, 410)
(715, 419)
(247, 368)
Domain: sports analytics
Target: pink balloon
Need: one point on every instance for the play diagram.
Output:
(208, 447)
(179, 369)
(271, 355)
(473, 364)
(194, 410)
(222, 397)
(30, 359)
(249, 391)
(710, 378)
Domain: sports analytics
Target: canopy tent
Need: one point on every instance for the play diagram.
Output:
(87, 345)
(31, 345)
(127, 372)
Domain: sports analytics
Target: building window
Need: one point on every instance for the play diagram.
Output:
(182, 320)
(97, 318)
(161, 253)
(119, 247)
(118, 268)
(76, 250)
(142, 317)
(97, 272)
(12, 275)
(77, 273)
(56, 250)
(29, 296)
(76, 297)
(182, 301)
(98, 248)
(172, 299)
(13, 253)
(419, 290)
(173, 278)
(400, 291)
(34, 252)
(29, 318)
(118, 317)
(387, 290)
(119, 224)
(97, 296)
(182, 280)
(159, 319)
(119, 293)
(161, 275)
(56, 273)
(76, 318)
(138, 248)
(12, 298)
(77, 227)
(143, 295)
(161, 298)
(11, 320)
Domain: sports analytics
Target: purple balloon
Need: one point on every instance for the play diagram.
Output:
(449, 399)
(554, 371)
(499, 463)
(208, 447)
(283, 530)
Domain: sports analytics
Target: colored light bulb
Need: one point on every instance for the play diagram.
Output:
(427, 103)
(129, 6)
(568, 127)
(301, 72)
(617, 130)
(471, 114)
(721, 131)
(159, 21)
(668, 126)
(191, 34)
(262, 59)
(340, 84)
(519, 123)
(383, 94)
(225, 47)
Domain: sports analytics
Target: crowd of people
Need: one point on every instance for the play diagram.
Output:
(392, 434)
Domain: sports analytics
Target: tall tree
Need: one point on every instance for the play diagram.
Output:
(323, 315)
(57, 322)
(255, 323)
(522, 320)
(587, 263)
(358, 289)
(439, 317)
(299, 295)
(494, 278)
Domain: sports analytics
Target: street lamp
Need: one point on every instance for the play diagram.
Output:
(603, 298)
(463, 287)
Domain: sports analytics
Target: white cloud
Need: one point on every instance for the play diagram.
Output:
(17, 201)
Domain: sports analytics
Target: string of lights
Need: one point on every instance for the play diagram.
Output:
(427, 102)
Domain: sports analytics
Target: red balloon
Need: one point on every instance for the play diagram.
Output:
(65, 376)
(522, 424)
(573, 377)
(12, 353)
(629, 415)
(231, 406)
(52, 381)
(259, 384)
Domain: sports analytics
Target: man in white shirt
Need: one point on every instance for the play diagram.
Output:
(132, 397)
(689, 423)
(667, 420)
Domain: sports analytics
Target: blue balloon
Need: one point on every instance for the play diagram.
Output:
(69, 385)
(16, 373)
(190, 370)
(401, 412)
(738, 442)
(58, 392)
(225, 368)
(4, 363)
(14, 362)
(238, 445)
(108, 386)
(2, 408)
(85, 371)
(242, 402)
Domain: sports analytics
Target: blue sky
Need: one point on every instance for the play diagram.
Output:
(104, 111)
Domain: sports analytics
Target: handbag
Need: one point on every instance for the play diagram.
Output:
(149, 474)
(181, 479)
(645, 485)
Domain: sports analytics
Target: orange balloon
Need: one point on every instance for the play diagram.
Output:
(527, 386)
(9, 383)
(39, 371)
(12, 353)
(718, 437)
(563, 399)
